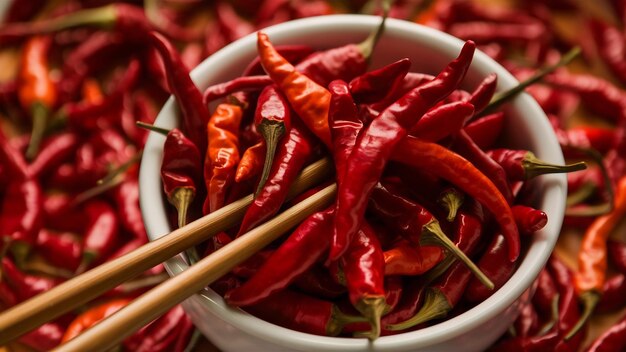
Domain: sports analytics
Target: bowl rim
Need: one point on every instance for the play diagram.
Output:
(529, 268)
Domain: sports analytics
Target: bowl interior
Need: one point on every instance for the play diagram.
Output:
(429, 50)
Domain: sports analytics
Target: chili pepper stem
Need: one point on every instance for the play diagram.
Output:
(534, 167)
(20, 251)
(152, 128)
(585, 191)
(340, 319)
(554, 316)
(272, 132)
(366, 47)
(372, 308)
(181, 199)
(40, 115)
(435, 306)
(46, 269)
(451, 200)
(432, 232)
(502, 97)
(589, 300)
(599, 209)
(88, 257)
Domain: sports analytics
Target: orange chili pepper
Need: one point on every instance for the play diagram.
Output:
(592, 257)
(222, 154)
(92, 93)
(407, 259)
(251, 162)
(309, 100)
(37, 93)
(93, 316)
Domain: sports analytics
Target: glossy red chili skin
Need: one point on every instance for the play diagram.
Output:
(617, 255)
(24, 285)
(410, 81)
(344, 123)
(598, 138)
(161, 334)
(54, 150)
(486, 130)
(614, 339)
(443, 121)
(546, 292)
(376, 142)
(290, 158)
(295, 311)
(63, 250)
(239, 84)
(293, 53)
(528, 219)
(613, 293)
(44, 338)
(527, 322)
(22, 211)
(272, 106)
(182, 163)
(369, 87)
(102, 230)
(495, 264)
(344, 63)
(363, 265)
(296, 255)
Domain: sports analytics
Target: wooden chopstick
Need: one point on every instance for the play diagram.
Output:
(158, 300)
(83, 288)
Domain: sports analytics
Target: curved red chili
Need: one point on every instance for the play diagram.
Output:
(369, 87)
(485, 130)
(528, 219)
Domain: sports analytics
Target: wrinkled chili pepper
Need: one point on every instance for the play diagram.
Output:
(613, 339)
(344, 123)
(222, 155)
(37, 93)
(482, 94)
(161, 334)
(610, 47)
(232, 26)
(92, 316)
(126, 197)
(522, 165)
(546, 342)
(592, 258)
(546, 298)
(272, 119)
(308, 99)
(293, 53)
(363, 268)
(450, 166)
(317, 281)
(443, 121)
(371, 86)
(290, 158)
(195, 114)
(302, 312)
(101, 233)
(244, 83)
(373, 147)
(61, 249)
(527, 322)
(598, 138)
(284, 265)
(22, 216)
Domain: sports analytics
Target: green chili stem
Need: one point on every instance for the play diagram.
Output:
(272, 132)
(435, 306)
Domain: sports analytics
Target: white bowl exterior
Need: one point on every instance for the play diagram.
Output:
(429, 50)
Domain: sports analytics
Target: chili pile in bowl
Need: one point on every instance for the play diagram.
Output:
(407, 188)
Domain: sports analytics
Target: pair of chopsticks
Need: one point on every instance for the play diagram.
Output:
(147, 307)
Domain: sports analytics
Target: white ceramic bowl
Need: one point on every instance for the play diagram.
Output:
(429, 50)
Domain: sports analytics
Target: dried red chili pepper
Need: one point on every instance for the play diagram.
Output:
(592, 258)
(617, 254)
(92, 316)
(272, 119)
(374, 147)
(126, 197)
(290, 158)
(308, 99)
(293, 53)
(546, 298)
(485, 130)
(363, 269)
(284, 265)
(251, 163)
(7, 297)
(22, 216)
(12, 160)
(317, 281)
(230, 23)
(522, 165)
(45, 338)
(449, 166)
(613, 293)
(36, 92)
(54, 151)
(304, 313)
(528, 219)
(161, 334)
(244, 83)
(483, 93)
(482, 32)
(195, 114)
(610, 47)
(442, 121)
(371, 86)
(61, 249)
(101, 233)
(407, 259)
(25, 285)
(222, 155)
(547, 342)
